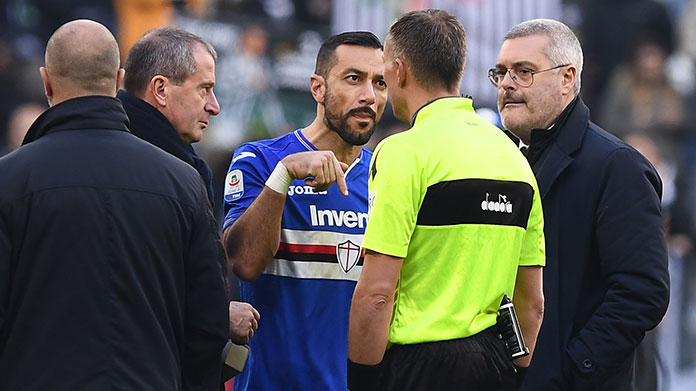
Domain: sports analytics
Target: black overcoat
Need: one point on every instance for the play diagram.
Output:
(606, 280)
(111, 271)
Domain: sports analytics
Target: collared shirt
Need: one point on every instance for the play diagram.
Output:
(460, 204)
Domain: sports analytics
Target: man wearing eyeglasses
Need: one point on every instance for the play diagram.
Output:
(606, 281)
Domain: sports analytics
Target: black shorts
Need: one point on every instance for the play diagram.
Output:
(476, 363)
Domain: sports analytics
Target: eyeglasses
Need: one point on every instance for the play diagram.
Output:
(522, 76)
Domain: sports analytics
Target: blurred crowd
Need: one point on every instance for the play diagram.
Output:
(639, 80)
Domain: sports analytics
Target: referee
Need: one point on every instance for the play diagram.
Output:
(455, 224)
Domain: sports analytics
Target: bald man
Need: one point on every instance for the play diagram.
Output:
(111, 273)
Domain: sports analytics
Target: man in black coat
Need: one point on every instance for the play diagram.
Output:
(169, 98)
(111, 272)
(606, 280)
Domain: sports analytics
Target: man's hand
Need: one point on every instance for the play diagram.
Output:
(244, 320)
(321, 165)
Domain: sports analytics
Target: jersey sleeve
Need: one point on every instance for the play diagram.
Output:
(245, 179)
(533, 252)
(395, 194)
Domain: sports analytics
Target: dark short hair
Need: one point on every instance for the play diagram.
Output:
(326, 59)
(433, 42)
(166, 51)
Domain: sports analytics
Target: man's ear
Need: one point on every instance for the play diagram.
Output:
(46, 82)
(317, 85)
(401, 70)
(569, 76)
(158, 87)
(119, 79)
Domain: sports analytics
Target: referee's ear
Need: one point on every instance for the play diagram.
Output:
(317, 84)
(402, 69)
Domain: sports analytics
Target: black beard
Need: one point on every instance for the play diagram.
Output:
(339, 123)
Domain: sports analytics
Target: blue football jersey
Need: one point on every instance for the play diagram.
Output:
(304, 293)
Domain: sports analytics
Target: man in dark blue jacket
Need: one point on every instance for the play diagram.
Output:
(606, 281)
(169, 98)
(111, 272)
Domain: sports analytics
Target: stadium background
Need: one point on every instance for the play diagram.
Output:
(639, 81)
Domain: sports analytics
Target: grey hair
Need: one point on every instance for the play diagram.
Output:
(563, 47)
(166, 51)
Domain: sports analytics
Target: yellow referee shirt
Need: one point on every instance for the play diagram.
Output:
(457, 200)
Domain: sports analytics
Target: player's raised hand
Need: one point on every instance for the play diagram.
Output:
(319, 169)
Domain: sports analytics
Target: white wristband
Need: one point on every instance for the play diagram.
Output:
(280, 179)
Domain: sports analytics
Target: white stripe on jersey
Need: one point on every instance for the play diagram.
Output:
(325, 238)
(299, 138)
(314, 269)
(298, 269)
(355, 163)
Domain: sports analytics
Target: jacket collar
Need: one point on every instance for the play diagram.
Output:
(541, 138)
(151, 125)
(444, 103)
(86, 112)
(559, 154)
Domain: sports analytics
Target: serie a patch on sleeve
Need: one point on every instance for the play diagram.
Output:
(234, 185)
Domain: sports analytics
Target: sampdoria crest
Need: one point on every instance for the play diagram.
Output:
(348, 254)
